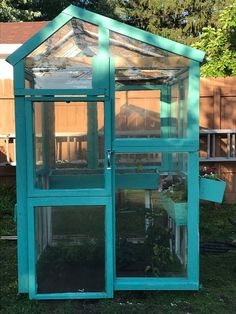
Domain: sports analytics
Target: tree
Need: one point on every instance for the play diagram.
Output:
(17, 10)
(51, 8)
(181, 20)
(28, 10)
(220, 45)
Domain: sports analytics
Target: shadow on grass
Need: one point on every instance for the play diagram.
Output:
(218, 280)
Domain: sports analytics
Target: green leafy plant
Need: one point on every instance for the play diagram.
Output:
(161, 258)
(208, 173)
(157, 242)
(139, 166)
(8, 199)
(220, 45)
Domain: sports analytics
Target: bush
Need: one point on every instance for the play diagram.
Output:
(7, 199)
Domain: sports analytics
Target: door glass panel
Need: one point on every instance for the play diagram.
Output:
(151, 222)
(70, 249)
(69, 145)
(138, 162)
(152, 113)
(65, 59)
(137, 114)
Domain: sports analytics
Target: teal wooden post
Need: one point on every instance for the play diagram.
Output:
(21, 180)
(193, 173)
(112, 137)
(193, 101)
(100, 80)
(101, 61)
(193, 218)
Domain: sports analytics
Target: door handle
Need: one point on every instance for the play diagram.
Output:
(109, 153)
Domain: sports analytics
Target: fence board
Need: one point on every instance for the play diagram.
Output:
(217, 110)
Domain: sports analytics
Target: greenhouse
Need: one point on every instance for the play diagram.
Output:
(107, 159)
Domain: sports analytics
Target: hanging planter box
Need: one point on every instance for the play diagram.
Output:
(212, 190)
(176, 210)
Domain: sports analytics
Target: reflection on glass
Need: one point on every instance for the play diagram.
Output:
(151, 224)
(69, 145)
(179, 109)
(70, 249)
(138, 63)
(140, 162)
(152, 113)
(137, 114)
(65, 59)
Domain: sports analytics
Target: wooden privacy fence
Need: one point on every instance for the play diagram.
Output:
(217, 131)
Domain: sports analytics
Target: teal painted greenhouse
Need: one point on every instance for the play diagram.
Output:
(107, 124)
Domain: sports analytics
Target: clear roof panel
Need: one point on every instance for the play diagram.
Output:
(64, 60)
(139, 63)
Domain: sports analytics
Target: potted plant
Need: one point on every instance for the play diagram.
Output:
(212, 188)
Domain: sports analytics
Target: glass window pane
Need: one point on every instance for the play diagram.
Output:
(137, 114)
(151, 222)
(139, 162)
(138, 63)
(65, 59)
(152, 113)
(70, 248)
(69, 145)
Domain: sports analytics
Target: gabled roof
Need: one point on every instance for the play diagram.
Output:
(105, 22)
(18, 32)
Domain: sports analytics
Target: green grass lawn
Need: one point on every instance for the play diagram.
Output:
(218, 276)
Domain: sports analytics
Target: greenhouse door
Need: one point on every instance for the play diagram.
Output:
(151, 250)
(140, 113)
(70, 198)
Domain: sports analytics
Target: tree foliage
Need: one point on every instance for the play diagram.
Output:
(181, 20)
(28, 10)
(18, 10)
(51, 8)
(220, 45)
(213, 21)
